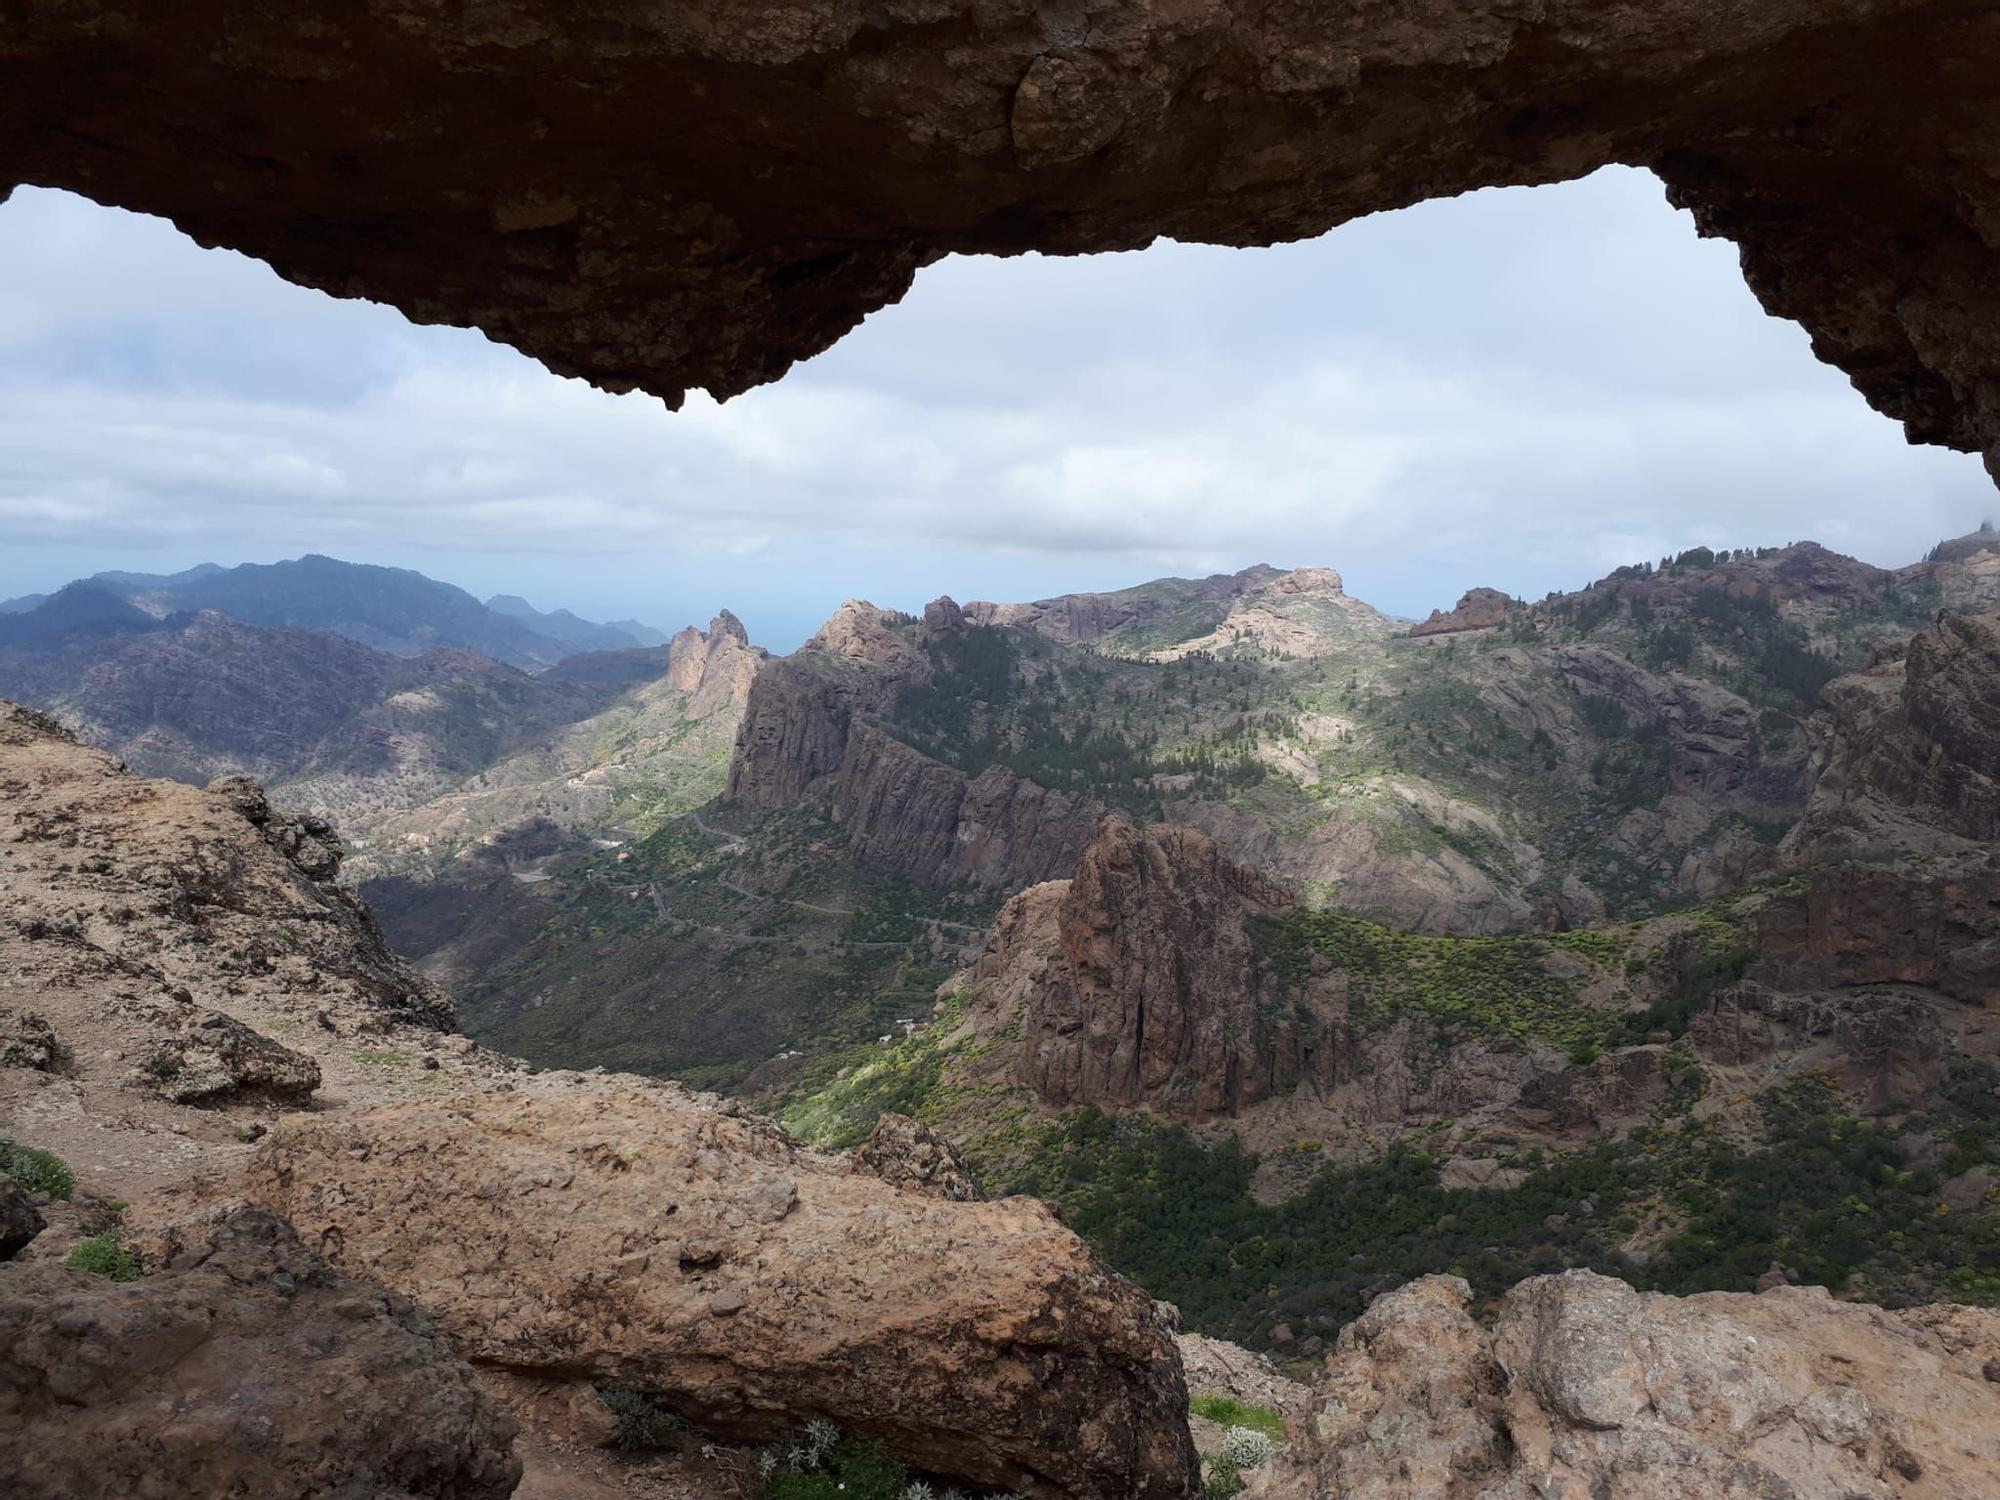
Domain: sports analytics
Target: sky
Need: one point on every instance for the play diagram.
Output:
(1518, 388)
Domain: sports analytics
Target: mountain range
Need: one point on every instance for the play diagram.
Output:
(393, 610)
(1490, 910)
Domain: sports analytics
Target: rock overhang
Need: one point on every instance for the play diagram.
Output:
(686, 197)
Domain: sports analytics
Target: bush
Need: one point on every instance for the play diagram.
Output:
(36, 1171)
(820, 1464)
(1223, 1480)
(642, 1422)
(104, 1256)
(1246, 1447)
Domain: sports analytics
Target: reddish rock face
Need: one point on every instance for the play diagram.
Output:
(1477, 609)
(679, 196)
(1149, 1000)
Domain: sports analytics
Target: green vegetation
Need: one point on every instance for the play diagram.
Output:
(1839, 1200)
(381, 1057)
(1227, 1411)
(36, 1171)
(1499, 985)
(839, 1097)
(643, 1424)
(104, 1256)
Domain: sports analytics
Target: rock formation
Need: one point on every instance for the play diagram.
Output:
(245, 1366)
(678, 198)
(1584, 1387)
(1913, 743)
(1477, 609)
(1301, 612)
(628, 1235)
(1145, 998)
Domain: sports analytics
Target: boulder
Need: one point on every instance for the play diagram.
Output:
(625, 1233)
(27, 1040)
(908, 1154)
(20, 1219)
(206, 1056)
(1584, 1387)
(245, 1367)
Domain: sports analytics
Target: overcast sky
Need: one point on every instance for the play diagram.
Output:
(1519, 388)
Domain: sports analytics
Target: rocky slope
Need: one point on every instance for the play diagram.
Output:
(758, 1264)
(1584, 1387)
(278, 1377)
(1477, 609)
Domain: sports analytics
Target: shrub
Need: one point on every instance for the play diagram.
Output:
(1223, 1480)
(37, 1171)
(1246, 1447)
(820, 1464)
(642, 1422)
(104, 1256)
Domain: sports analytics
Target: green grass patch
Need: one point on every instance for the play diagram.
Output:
(37, 1171)
(381, 1057)
(104, 1256)
(1230, 1412)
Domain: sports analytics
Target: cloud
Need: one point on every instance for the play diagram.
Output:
(1520, 387)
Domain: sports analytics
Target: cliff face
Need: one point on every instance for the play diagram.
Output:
(807, 732)
(1146, 999)
(908, 813)
(1904, 758)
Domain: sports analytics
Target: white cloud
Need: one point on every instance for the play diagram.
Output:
(1520, 388)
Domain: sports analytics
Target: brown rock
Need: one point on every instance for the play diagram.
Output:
(244, 1367)
(908, 1154)
(1585, 1387)
(27, 1040)
(627, 1235)
(1147, 998)
(20, 1220)
(206, 1056)
(1477, 609)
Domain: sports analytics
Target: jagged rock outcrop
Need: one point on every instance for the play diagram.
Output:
(793, 732)
(1477, 609)
(919, 817)
(202, 1055)
(243, 1367)
(1584, 1387)
(27, 1040)
(810, 159)
(907, 1153)
(1300, 612)
(629, 1235)
(20, 1220)
(1913, 743)
(713, 667)
(1147, 999)
(163, 887)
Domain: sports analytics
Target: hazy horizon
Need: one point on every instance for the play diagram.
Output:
(1517, 388)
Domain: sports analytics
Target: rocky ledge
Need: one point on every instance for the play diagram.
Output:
(1583, 1387)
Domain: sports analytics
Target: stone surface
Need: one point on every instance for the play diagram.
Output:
(682, 197)
(1587, 1388)
(206, 1055)
(1477, 609)
(27, 1040)
(243, 1367)
(1146, 998)
(906, 1153)
(627, 1234)
(20, 1220)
